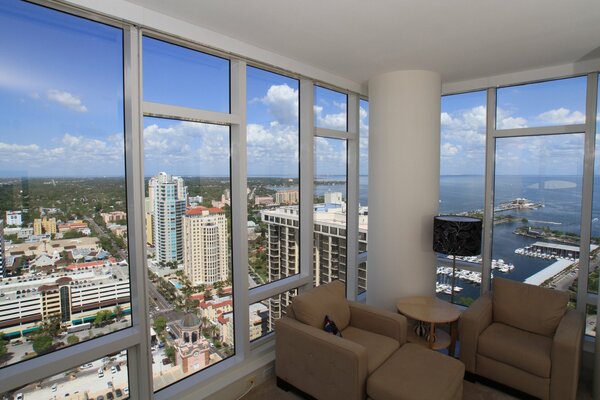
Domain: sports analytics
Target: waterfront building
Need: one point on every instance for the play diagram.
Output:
(287, 197)
(75, 295)
(333, 198)
(205, 248)
(329, 248)
(558, 250)
(14, 218)
(169, 198)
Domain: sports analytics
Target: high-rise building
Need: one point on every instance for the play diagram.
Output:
(205, 245)
(150, 228)
(169, 198)
(2, 258)
(329, 248)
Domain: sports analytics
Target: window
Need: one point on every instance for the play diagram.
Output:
(363, 197)
(537, 204)
(188, 225)
(202, 80)
(273, 142)
(462, 176)
(551, 103)
(65, 275)
(90, 380)
(83, 196)
(330, 109)
(330, 209)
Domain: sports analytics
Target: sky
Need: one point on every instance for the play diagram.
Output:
(463, 127)
(62, 99)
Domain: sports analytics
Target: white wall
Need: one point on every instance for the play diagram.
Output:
(404, 171)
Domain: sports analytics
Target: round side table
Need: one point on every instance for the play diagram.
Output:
(432, 311)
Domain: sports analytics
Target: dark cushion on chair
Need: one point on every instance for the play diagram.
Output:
(312, 306)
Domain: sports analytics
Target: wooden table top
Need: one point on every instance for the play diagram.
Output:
(428, 309)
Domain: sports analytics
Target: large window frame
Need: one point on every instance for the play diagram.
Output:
(584, 298)
(136, 339)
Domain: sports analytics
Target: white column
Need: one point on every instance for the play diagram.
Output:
(404, 171)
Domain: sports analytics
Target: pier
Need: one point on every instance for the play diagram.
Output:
(549, 272)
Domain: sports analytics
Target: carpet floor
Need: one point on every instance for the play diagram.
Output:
(268, 390)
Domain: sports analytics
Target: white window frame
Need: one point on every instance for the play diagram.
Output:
(136, 339)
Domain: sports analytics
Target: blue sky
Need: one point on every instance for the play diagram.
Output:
(62, 99)
(559, 102)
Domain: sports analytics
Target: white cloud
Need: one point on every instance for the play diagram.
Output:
(66, 99)
(282, 103)
(562, 116)
(512, 123)
(448, 150)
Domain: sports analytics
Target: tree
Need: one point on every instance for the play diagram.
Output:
(118, 311)
(51, 326)
(102, 317)
(170, 353)
(72, 339)
(3, 344)
(160, 324)
(42, 344)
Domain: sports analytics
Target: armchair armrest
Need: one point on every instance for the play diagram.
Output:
(319, 363)
(378, 321)
(471, 323)
(566, 356)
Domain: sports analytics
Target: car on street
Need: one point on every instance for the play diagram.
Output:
(19, 396)
(126, 390)
(53, 387)
(87, 365)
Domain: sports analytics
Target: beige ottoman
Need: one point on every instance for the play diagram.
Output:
(414, 372)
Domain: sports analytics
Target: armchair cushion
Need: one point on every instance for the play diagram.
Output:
(528, 307)
(311, 306)
(379, 347)
(525, 350)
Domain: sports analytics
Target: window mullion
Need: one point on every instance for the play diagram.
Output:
(488, 219)
(138, 359)
(239, 209)
(307, 131)
(353, 158)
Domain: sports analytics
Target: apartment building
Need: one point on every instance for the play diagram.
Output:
(205, 252)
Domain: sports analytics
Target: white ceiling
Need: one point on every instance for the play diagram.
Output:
(358, 39)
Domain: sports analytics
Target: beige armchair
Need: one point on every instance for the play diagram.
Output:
(326, 366)
(522, 336)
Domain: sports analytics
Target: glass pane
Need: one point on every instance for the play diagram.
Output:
(264, 313)
(188, 225)
(537, 210)
(66, 275)
(104, 378)
(273, 176)
(330, 210)
(462, 177)
(363, 207)
(330, 109)
(595, 239)
(183, 77)
(558, 102)
(590, 320)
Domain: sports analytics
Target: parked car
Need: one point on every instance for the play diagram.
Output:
(109, 396)
(53, 387)
(119, 393)
(113, 370)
